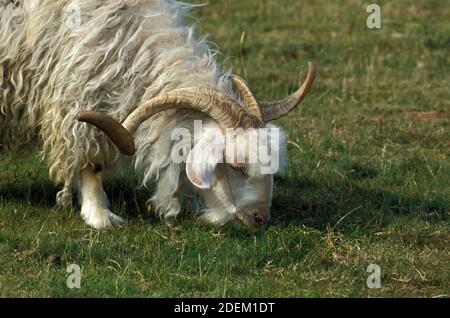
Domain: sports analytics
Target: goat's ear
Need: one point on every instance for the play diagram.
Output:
(204, 157)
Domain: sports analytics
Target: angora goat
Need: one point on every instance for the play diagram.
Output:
(132, 69)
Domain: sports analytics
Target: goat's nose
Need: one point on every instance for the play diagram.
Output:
(261, 218)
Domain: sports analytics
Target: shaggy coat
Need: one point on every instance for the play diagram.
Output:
(121, 54)
(59, 57)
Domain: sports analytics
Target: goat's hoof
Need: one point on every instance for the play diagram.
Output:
(102, 219)
(64, 199)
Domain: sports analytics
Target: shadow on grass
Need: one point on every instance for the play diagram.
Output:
(321, 204)
(123, 195)
(314, 203)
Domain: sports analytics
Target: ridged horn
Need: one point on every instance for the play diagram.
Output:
(248, 97)
(227, 112)
(274, 110)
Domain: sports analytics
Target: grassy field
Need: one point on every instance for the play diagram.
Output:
(368, 181)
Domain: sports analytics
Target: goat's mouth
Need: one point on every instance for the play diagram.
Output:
(252, 221)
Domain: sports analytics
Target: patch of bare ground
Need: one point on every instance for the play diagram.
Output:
(429, 115)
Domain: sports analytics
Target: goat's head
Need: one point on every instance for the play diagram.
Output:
(231, 188)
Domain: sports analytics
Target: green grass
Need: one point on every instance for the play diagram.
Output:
(368, 181)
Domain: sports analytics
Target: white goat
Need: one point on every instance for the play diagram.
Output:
(132, 62)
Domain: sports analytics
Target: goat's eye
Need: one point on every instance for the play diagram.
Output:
(241, 170)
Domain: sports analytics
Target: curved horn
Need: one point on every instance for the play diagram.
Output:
(274, 110)
(227, 112)
(114, 130)
(248, 97)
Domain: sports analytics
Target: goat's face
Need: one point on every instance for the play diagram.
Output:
(233, 191)
(234, 196)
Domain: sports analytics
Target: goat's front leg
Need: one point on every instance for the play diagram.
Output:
(64, 197)
(94, 202)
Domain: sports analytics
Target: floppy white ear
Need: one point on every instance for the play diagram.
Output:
(204, 157)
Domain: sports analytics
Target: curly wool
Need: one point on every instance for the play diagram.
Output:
(120, 54)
